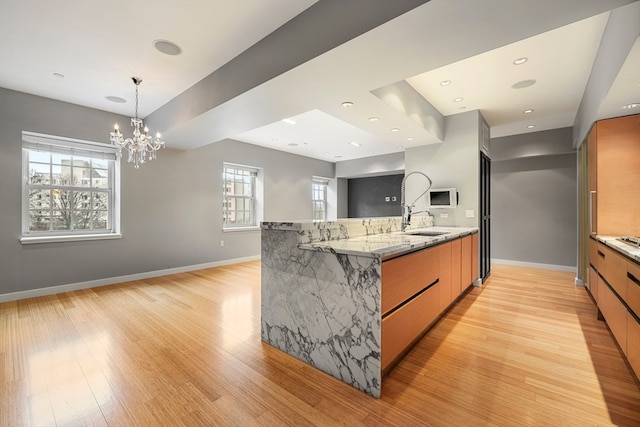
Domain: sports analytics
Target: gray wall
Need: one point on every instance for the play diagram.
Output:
(453, 163)
(533, 199)
(171, 207)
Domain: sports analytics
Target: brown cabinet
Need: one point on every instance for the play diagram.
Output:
(466, 261)
(474, 257)
(404, 276)
(593, 283)
(633, 287)
(615, 270)
(402, 327)
(613, 175)
(418, 287)
(445, 292)
(615, 314)
(633, 343)
(456, 268)
(615, 285)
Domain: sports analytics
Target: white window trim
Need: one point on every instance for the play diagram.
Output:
(33, 139)
(326, 182)
(258, 199)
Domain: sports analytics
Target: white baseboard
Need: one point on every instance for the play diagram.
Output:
(567, 268)
(14, 296)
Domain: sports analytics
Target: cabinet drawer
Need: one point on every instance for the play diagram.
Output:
(615, 314)
(615, 271)
(475, 237)
(466, 261)
(456, 268)
(593, 253)
(600, 253)
(633, 344)
(403, 326)
(633, 287)
(593, 283)
(444, 281)
(407, 275)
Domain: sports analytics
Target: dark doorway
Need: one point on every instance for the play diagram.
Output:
(485, 216)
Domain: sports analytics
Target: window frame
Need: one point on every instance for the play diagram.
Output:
(324, 182)
(255, 198)
(33, 142)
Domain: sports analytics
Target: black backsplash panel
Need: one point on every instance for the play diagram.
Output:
(367, 196)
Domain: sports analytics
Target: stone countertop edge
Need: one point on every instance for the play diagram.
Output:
(621, 247)
(397, 244)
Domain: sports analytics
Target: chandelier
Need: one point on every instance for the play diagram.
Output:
(141, 143)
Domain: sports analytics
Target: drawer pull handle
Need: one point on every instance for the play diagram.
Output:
(601, 254)
(633, 278)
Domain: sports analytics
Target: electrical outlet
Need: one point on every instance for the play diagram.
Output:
(444, 215)
(470, 213)
(221, 243)
(393, 199)
(387, 199)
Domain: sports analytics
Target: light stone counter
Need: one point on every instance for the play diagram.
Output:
(624, 248)
(321, 288)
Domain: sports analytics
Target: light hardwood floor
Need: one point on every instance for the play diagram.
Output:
(525, 349)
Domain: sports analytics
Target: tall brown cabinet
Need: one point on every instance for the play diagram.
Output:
(613, 209)
(614, 176)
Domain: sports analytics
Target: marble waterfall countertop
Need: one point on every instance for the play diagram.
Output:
(321, 286)
(624, 248)
(369, 237)
(390, 245)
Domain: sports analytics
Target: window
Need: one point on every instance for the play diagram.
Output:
(319, 198)
(241, 196)
(69, 189)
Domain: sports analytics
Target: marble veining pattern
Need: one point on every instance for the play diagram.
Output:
(321, 290)
(323, 308)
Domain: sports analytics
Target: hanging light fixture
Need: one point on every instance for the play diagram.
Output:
(141, 143)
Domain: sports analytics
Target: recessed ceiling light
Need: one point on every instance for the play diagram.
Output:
(522, 84)
(347, 104)
(458, 99)
(400, 148)
(373, 119)
(289, 121)
(116, 99)
(167, 47)
(528, 111)
(409, 138)
(58, 75)
(531, 126)
(520, 61)
(395, 130)
(445, 83)
(633, 105)
(355, 144)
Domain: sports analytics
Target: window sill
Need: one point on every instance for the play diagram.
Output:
(74, 238)
(235, 229)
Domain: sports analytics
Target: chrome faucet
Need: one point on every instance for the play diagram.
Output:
(406, 209)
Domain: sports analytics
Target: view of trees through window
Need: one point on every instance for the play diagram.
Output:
(67, 192)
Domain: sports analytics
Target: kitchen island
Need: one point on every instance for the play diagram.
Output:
(349, 297)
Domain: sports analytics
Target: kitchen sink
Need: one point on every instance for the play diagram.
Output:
(426, 233)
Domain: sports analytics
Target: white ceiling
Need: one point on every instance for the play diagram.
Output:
(99, 45)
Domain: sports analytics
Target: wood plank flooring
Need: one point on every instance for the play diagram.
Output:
(185, 350)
